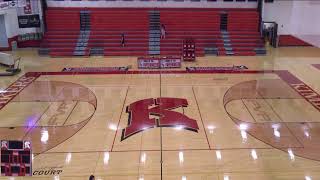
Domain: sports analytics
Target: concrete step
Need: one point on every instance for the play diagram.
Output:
(154, 52)
(211, 51)
(229, 53)
(79, 53)
(154, 48)
(44, 51)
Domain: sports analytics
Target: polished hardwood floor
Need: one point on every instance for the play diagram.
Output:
(262, 123)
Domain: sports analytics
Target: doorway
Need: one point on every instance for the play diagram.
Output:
(270, 33)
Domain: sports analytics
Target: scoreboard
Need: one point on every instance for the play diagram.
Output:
(16, 158)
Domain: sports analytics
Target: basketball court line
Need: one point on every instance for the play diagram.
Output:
(70, 113)
(35, 123)
(283, 74)
(282, 122)
(317, 66)
(249, 111)
(204, 129)
(166, 150)
(161, 138)
(122, 109)
(261, 131)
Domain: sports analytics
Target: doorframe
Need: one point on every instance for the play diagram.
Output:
(275, 38)
(5, 30)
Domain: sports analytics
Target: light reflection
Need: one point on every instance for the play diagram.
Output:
(291, 155)
(275, 126)
(181, 158)
(184, 178)
(244, 135)
(254, 154)
(226, 177)
(56, 177)
(32, 157)
(68, 158)
(218, 154)
(113, 127)
(276, 133)
(179, 128)
(106, 158)
(243, 126)
(307, 178)
(27, 145)
(211, 128)
(306, 133)
(44, 136)
(31, 120)
(2, 90)
(143, 157)
(141, 178)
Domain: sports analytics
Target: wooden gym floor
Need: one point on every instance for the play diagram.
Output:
(262, 124)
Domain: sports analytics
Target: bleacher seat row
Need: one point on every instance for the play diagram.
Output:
(106, 27)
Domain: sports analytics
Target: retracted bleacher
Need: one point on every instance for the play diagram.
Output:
(240, 35)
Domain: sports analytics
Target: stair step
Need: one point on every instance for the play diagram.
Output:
(154, 32)
(154, 48)
(97, 51)
(154, 35)
(229, 53)
(154, 52)
(44, 51)
(79, 53)
(211, 51)
(154, 43)
(80, 48)
(260, 51)
(153, 39)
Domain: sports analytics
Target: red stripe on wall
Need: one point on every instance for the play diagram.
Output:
(290, 40)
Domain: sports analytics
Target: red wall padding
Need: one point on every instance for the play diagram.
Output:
(290, 40)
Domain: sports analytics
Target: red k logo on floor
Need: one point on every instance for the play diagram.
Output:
(140, 112)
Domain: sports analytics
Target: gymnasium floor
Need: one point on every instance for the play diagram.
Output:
(261, 124)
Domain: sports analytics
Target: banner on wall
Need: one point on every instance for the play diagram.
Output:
(13, 4)
(27, 7)
(29, 21)
(22, 3)
(4, 5)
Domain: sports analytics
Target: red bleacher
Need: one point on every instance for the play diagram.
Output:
(243, 21)
(107, 25)
(62, 20)
(204, 27)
